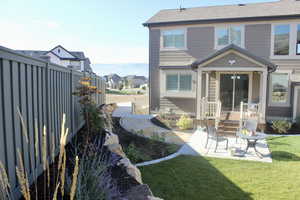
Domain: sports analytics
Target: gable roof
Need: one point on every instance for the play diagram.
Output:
(239, 12)
(271, 66)
(78, 55)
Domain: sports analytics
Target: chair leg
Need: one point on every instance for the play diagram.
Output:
(226, 145)
(216, 146)
(206, 142)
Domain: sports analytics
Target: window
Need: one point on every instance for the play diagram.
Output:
(174, 39)
(172, 82)
(229, 35)
(282, 39)
(279, 88)
(179, 82)
(298, 40)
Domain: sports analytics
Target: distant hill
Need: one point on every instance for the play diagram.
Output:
(140, 69)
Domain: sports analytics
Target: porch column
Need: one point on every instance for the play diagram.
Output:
(199, 93)
(263, 95)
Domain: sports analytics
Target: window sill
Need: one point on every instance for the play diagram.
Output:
(173, 49)
(284, 105)
(284, 57)
(179, 94)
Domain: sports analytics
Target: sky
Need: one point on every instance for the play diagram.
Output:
(108, 31)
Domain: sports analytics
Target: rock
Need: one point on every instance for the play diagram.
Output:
(132, 170)
(153, 198)
(140, 192)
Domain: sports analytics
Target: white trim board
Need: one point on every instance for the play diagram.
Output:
(295, 105)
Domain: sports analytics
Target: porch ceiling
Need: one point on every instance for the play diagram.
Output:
(233, 58)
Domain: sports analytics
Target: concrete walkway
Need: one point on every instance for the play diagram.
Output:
(142, 125)
(196, 146)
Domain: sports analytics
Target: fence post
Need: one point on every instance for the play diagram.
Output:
(72, 102)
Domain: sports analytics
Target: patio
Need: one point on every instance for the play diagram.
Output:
(196, 146)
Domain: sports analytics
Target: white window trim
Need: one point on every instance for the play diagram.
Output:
(288, 102)
(162, 48)
(292, 41)
(218, 47)
(178, 83)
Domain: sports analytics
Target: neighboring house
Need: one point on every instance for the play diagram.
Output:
(113, 81)
(235, 53)
(60, 56)
(133, 81)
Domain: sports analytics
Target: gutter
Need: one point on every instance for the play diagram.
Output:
(208, 21)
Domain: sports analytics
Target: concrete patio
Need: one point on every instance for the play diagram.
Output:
(196, 146)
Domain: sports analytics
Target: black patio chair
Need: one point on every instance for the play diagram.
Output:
(213, 134)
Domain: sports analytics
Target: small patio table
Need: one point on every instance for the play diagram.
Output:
(252, 141)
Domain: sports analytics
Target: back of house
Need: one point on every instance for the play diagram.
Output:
(230, 54)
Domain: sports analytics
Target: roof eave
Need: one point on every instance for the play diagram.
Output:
(207, 21)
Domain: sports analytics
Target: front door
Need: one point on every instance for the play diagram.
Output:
(234, 88)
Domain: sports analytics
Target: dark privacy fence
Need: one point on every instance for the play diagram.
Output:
(42, 92)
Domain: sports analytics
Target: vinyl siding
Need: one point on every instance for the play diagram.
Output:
(154, 48)
(258, 39)
(178, 105)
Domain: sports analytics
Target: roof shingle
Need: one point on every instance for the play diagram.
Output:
(218, 13)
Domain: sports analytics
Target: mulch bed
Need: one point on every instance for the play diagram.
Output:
(295, 130)
(152, 148)
(45, 193)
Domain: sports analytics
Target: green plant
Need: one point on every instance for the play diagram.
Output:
(281, 126)
(86, 92)
(134, 155)
(158, 137)
(185, 122)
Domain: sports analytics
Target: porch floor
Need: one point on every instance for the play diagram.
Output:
(196, 146)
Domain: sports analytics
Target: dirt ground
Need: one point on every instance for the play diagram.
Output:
(141, 101)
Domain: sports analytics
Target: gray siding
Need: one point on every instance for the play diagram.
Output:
(154, 48)
(178, 105)
(200, 41)
(42, 92)
(258, 39)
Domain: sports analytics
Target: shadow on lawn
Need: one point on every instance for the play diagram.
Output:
(187, 177)
(191, 178)
(284, 156)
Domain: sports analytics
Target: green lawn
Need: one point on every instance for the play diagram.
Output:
(195, 178)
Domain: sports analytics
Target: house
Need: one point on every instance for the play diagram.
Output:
(113, 81)
(133, 81)
(229, 54)
(61, 56)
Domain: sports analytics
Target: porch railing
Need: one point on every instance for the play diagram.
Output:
(249, 111)
(211, 110)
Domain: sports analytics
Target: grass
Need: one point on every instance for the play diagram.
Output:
(124, 92)
(196, 178)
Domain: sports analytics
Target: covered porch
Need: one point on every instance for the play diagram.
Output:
(230, 83)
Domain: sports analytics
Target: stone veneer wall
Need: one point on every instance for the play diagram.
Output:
(122, 179)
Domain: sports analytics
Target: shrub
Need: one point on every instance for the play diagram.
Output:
(185, 122)
(158, 137)
(134, 155)
(281, 126)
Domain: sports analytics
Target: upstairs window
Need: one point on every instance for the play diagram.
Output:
(282, 39)
(179, 82)
(229, 35)
(173, 39)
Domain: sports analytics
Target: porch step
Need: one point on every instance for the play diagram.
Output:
(228, 127)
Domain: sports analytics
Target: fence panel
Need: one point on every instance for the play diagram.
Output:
(42, 92)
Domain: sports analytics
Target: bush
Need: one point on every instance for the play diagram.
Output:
(281, 126)
(134, 155)
(158, 137)
(185, 123)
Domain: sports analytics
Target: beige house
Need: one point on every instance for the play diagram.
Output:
(223, 60)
